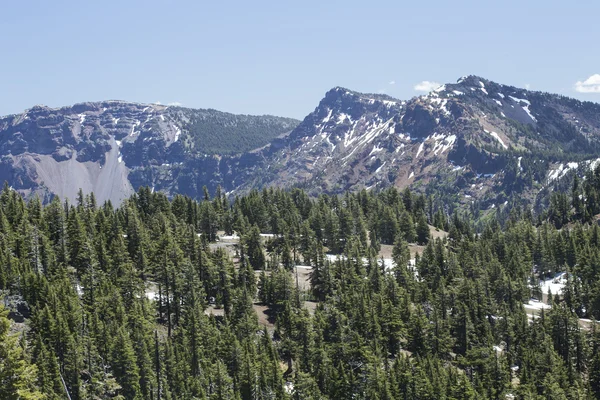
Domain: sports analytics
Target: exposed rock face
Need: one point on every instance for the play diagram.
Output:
(112, 148)
(472, 141)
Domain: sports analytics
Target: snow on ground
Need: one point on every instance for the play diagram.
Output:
(230, 237)
(501, 95)
(526, 109)
(497, 137)
(81, 118)
(379, 169)
(562, 171)
(520, 100)
(534, 304)
(498, 102)
(420, 149)
(555, 284)
(411, 174)
(519, 163)
(177, 133)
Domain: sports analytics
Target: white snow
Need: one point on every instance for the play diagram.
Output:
(379, 169)
(497, 137)
(555, 284)
(328, 117)
(177, 133)
(230, 237)
(501, 113)
(526, 109)
(81, 119)
(457, 92)
(520, 100)
(483, 90)
(498, 102)
(501, 95)
(537, 305)
(118, 143)
(162, 117)
(120, 158)
(411, 175)
(376, 149)
(420, 149)
(443, 145)
(562, 170)
(519, 163)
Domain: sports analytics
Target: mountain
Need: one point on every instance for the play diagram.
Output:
(113, 147)
(473, 143)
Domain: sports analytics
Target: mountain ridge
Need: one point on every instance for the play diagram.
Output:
(473, 141)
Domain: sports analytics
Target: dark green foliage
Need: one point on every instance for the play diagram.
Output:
(448, 324)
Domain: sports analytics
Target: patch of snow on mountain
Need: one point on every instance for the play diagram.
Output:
(376, 149)
(342, 117)
(520, 100)
(537, 305)
(526, 109)
(412, 174)
(420, 149)
(442, 145)
(457, 92)
(556, 173)
(483, 90)
(81, 119)
(498, 102)
(328, 117)
(379, 169)
(501, 95)
(497, 137)
(519, 163)
(177, 133)
(556, 284)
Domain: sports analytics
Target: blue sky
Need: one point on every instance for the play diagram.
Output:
(278, 57)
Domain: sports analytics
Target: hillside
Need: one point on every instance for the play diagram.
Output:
(473, 143)
(113, 147)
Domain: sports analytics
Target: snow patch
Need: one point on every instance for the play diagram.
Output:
(420, 149)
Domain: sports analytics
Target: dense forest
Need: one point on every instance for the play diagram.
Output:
(184, 299)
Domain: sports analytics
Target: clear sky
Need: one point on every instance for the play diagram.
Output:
(280, 57)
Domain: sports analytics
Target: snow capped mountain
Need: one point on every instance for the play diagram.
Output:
(473, 142)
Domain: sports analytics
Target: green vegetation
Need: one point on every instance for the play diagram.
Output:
(215, 132)
(140, 302)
